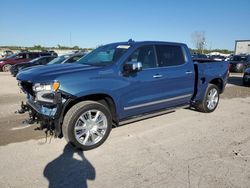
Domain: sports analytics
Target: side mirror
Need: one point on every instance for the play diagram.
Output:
(132, 67)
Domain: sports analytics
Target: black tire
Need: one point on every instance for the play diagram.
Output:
(244, 82)
(203, 105)
(73, 115)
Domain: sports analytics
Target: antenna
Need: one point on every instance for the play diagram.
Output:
(130, 41)
(70, 40)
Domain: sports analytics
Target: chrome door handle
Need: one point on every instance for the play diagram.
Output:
(157, 76)
(189, 72)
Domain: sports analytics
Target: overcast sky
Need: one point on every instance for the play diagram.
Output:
(95, 22)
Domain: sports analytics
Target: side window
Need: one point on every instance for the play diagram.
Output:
(33, 55)
(73, 59)
(21, 56)
(45, 54)
(169, 55)
(145, 55)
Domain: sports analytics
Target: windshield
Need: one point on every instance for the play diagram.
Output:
(34, 60)
(12, 56)
(104, 55)
(58, 60)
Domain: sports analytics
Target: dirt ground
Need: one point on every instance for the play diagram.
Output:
(181, 149)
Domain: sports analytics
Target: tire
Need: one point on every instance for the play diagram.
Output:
(209, 103)
(6, 68)
(82, 130)
(244, 83)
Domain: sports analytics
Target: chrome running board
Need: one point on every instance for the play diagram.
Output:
(150, 115)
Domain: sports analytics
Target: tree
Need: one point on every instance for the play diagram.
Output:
(75, 48)
(38, 47)
(199, 40)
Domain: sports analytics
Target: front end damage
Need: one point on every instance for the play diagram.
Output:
(45, 105)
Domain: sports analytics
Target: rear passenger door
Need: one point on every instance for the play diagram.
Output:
(176, 74)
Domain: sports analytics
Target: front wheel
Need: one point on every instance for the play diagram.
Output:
(210, 100)
(87, 125)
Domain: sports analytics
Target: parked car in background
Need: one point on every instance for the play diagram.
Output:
(200, 58)
(43, 60)
(69, 58)
(20, 58)
(246, 77)
(238, 63)
(118, 83)
(229, 57)
(5, 54)
(217, 57)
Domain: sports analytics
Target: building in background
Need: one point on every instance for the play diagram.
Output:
(242, 47)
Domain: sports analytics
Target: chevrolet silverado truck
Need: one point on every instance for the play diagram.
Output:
(116, 84)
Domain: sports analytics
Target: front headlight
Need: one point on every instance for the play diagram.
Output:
(46, 87)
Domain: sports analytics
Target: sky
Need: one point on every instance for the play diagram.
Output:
(97, 22)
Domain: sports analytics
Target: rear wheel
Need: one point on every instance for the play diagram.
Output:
(6, 68)
(210, 100)
(244, 81)
(87, 125)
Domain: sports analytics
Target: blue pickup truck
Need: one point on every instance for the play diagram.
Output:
(116, 84)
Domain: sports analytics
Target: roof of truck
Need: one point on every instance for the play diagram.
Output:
(131, 42)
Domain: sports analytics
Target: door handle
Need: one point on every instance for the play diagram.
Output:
(157, 76)
(189, 72)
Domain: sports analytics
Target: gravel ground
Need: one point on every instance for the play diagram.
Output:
(197, 150)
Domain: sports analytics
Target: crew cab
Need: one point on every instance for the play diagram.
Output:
(116, 84)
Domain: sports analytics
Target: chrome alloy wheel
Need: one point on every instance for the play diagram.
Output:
(90, 127)
(212, 99)
(6, 68)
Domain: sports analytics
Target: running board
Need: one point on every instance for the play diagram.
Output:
(150, 115)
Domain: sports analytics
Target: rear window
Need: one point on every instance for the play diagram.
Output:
(169, 55)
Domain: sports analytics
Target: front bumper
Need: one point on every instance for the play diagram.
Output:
(49, 115)
(43, 110)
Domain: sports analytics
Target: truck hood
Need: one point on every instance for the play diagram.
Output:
(51, 72)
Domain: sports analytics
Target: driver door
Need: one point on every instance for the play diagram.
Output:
(144, 87)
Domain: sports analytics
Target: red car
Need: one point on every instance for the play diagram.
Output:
(21, 57)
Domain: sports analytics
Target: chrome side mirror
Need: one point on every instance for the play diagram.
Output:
(132, 67)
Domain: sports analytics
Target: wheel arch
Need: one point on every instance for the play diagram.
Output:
(104, 99)
(218, 82)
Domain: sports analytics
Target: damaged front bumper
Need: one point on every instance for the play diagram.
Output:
(46, 108)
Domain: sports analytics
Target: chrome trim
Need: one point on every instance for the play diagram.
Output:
(157, 102)
(189, 72)
(157, 76)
